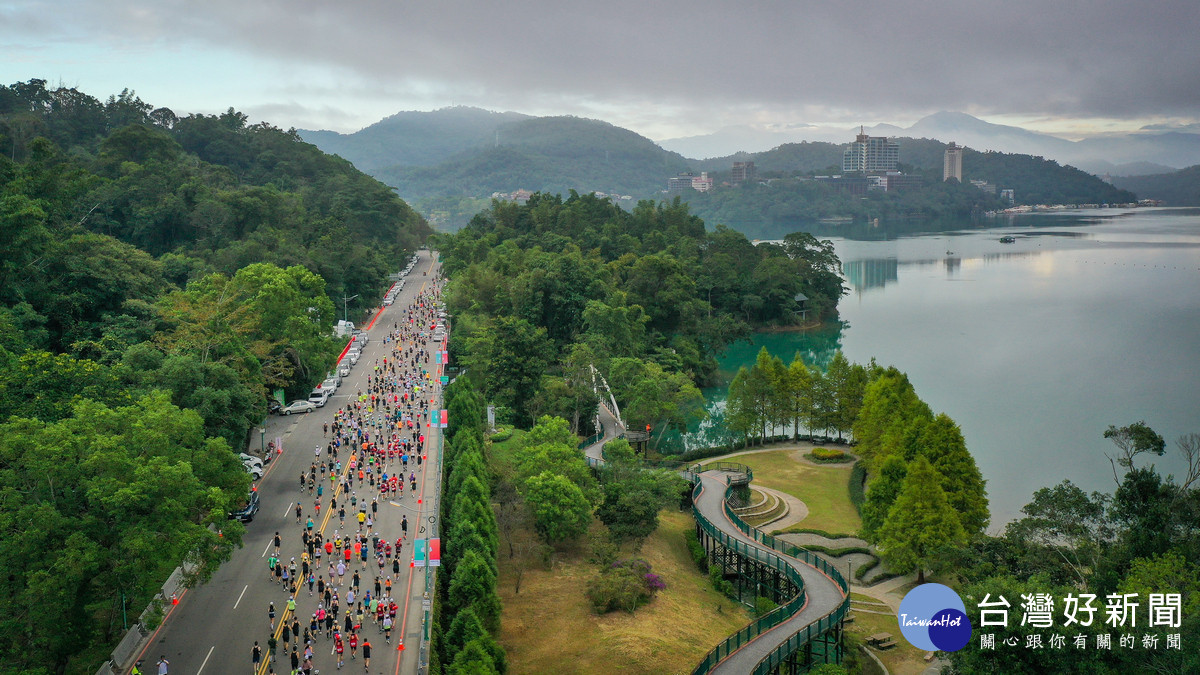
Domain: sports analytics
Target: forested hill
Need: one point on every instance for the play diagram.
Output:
(414, 138)
(159, 275)
(546, 154)
(1178, 188)
(786, 198)
(108, 208)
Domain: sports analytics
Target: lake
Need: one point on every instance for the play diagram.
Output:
(1034, 347)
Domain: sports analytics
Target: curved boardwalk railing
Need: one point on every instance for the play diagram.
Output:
(753, 544)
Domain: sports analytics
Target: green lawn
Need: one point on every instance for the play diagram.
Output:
(824, 489)
(502, 452)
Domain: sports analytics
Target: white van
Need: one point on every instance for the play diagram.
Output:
(319, 397)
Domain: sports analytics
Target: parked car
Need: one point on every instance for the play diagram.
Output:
(387, 302)
(344, 369)
(331, 383)
(353, 357)
(273, 407)
(249, 459)
(255, 471)
(246, 513)
(319, 397)
(297, 407)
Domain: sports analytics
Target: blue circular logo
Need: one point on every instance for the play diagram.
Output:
(932, 617)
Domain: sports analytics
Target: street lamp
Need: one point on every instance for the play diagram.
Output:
(262, 440)
(345, 303)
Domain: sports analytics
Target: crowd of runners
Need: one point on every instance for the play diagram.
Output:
(339, 567)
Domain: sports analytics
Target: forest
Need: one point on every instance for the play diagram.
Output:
(160, 275)
(541, 292)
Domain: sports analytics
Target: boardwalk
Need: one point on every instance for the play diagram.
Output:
(825, 596)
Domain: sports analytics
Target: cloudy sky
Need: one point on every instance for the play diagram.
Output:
(663, 69)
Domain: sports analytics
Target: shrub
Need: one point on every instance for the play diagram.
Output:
(697, 550)
(858, 485)
(625, 585)
(502, 434)
(719, 582)
(828, 456)
(762, 606)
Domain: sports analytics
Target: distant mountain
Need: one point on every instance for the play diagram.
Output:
(1178, 188)
(552, 154)
(414, 138)
(744, 138)
(1128, 169)
(1170, 147)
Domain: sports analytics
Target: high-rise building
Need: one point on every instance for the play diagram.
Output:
(742, 172)
(679, 184)
(952, 166)
(870, 154)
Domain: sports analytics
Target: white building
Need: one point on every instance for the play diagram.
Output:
(952, 166)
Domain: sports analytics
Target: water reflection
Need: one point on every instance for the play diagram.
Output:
(870, 273)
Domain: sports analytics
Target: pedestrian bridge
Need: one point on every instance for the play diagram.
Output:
(805, 630)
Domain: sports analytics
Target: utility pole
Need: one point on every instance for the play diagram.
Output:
(345, 304)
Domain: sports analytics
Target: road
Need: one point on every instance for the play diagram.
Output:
(214, 626)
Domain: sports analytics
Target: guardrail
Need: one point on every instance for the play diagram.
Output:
(780, 563)
(774, 553)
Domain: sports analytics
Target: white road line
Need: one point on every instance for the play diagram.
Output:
(239, 600)
(268, 548)
(210, 651)
(289, 508)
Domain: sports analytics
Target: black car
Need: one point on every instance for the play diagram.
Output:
(273, 407)
(246, 513)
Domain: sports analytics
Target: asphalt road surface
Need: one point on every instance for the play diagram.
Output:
(213, 628)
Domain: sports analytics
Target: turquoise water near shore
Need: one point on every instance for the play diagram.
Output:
(1034, 347)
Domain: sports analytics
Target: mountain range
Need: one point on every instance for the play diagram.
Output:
(1148, 151)
(449, 162)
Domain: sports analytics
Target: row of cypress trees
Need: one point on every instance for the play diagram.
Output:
(466, 611)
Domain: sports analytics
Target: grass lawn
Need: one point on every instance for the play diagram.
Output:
(550, 628)
(825, 489)
(502, 451)
(903, 659)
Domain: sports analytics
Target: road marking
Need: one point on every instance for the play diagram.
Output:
(288, 509)
(210, 651)
(268, 548)
(239, 600)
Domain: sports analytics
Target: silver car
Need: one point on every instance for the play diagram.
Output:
(298, 407)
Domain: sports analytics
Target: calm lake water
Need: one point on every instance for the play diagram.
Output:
(1034, 347)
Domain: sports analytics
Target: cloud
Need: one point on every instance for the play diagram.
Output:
(702, 63)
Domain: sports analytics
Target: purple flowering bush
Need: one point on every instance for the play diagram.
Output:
(624, 585)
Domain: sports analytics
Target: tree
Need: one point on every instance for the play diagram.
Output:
(800, 394)
(560, 509)
(943, 445)
(473, 586)
(633, 498)
(1071, 523)
(512, 355)
(740, 414)
(888, 401)
(921, 524)
(881, 495)
(846, 382)
(100, 506)
(1131, 441)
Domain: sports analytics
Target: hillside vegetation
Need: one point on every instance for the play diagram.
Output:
(546, 154)
(1178, 188)
(159, 275)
